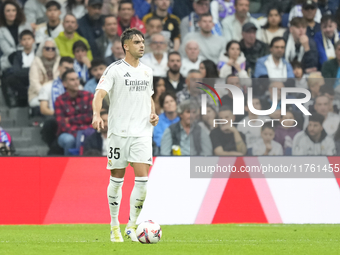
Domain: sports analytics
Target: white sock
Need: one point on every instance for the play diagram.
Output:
(114, 195)
(137, 198)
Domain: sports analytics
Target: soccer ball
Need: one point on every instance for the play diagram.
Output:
(149, 232)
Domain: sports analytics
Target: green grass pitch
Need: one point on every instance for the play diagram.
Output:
(178, 239)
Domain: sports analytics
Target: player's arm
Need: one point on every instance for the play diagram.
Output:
(153, 117)
(97, 103)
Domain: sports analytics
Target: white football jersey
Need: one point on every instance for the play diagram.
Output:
(130, 90)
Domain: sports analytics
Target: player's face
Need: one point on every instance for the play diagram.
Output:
(79, 54)
(267, 135)
(98, 71)
(169, 104)
(314, 128)
(53, 13)
(135, 46)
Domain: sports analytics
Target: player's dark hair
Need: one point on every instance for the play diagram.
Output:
(326, 89)
(124, 2)
(151, 19)
(164, 95)
(53, 3)
(79, 45)
(205, 15)
(26, 32)
(276, 39)
(326, 18)
(267, 125)
(66, 60)
(316, 117)
(128, 35)
(64, 76)
(174, 53)
(98, 62)
(225, 108)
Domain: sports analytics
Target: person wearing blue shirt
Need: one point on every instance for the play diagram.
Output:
(168, 103)
(98, 67)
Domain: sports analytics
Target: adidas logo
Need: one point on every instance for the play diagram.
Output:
(127, 75)
(150, 159)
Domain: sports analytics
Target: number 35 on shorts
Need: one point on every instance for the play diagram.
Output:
(114, 152)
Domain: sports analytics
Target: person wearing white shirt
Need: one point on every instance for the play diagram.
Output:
(53, 26)
(157, 60)
(232, 25)
(266, 146)
(192, 59)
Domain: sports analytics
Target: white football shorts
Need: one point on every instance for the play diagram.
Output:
(124, 150)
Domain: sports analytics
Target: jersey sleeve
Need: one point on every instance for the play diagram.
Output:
(151, 84)
(107, 80)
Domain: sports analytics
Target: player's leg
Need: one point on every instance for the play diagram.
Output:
(117, 162)
(141, 158)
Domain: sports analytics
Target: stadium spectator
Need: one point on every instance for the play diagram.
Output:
(337, 141)
(330, 68)
(227, 98)
(192, 58)
(35, 12)
(44, 68)
(322, 106)
(159, 89)
(73, 111)
(221, 9)
(12, 23)
(326, 39)
(189, 137)
(207, 120)
(105, 42)
(208, 69)
(144, 7)
(74, 7)
(127, 18)
(296, 11)
(265, 145)
(117, 52)
(252, 132)
(251, 47)
(267, 100)
(66, 39)
(284, 135)
(226, 139)
(274, 65)
(98, 140)
(233, 61)
(308, 13)
(190, 23)
(192, 77)
(82, 64)
(299, 47)
(6, 144)
(182, 8)
(314, 81)
(98, 67)
(15, 80)
(52, 90)
(328, 7)
(53, 27)
(273, 28)
(154, 25)
(90, 25)
(334, 103)
(171, 23)
(313, 141)
(157, 60)
(169, 116)
(300, 77)
(174, 81)
(205, 39)
(233, 25)
(284, 5)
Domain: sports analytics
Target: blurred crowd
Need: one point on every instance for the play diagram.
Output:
(53, 53)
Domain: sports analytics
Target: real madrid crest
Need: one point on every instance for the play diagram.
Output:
(109, 162)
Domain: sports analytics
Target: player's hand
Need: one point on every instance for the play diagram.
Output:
(304, 40)
(97, 123)
(154, 119)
